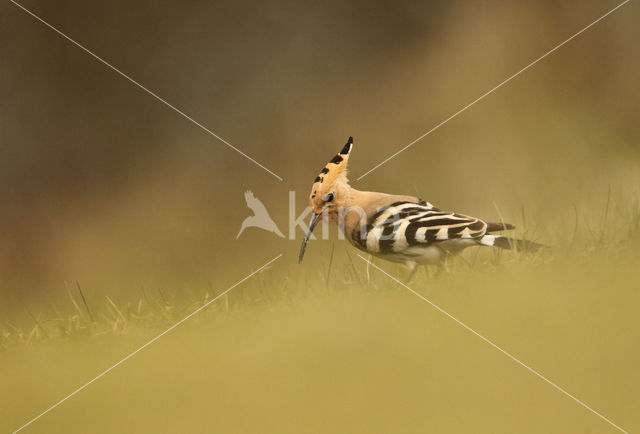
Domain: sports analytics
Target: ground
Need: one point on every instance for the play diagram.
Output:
(352, 353)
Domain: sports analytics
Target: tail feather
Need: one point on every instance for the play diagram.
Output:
(510, 243)
(495, 227)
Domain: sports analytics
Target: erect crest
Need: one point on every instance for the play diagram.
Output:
(335, 170)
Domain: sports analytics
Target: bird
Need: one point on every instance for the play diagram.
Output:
(398, 228)
(260, 219)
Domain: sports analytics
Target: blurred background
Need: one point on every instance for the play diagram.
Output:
(103, 184)
(103, 187)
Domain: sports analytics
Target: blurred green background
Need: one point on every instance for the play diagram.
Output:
(104, 187)
(103, 184)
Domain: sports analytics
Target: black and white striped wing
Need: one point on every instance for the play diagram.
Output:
(403, 225)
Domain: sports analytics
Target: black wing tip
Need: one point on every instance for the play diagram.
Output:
(496, 227)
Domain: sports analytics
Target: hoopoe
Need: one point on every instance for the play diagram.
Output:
(394, 227)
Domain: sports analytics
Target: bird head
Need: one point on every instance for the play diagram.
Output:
(330, 190)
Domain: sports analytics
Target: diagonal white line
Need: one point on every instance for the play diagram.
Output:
(491, 91)
(177, 110)
(512, 357)
(106, 371)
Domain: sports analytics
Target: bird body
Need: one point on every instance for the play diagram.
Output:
(398, 228)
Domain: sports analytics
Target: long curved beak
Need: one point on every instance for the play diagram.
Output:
(314, 222)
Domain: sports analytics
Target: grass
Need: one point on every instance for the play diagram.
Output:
(335, 349)
(156, 309)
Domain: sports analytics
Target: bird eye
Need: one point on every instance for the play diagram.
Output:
(328, 197)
